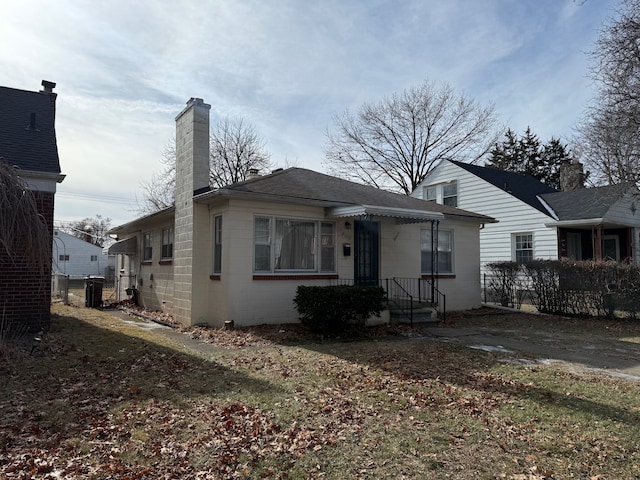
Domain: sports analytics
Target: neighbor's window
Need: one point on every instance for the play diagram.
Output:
(444, 251)
(431, 193)
(94, 258)
(450, 194)
(523, 247)
(283, 244)
(167, 243)
(217, 244)
(443, 193)
(63, 258)
(147, 248)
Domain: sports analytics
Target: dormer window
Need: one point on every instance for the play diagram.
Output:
(443, 193)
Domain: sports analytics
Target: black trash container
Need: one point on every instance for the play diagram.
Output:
(93, 291)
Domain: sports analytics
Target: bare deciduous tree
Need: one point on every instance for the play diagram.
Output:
(234, 149)
(395, 143)
(93, 230)
(609, 136)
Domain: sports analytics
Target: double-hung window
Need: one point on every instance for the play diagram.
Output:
(147, 248)
(523, 247)
(443, 193)
(293, 245)
(450, 194)
(167, 243)
(443, 247)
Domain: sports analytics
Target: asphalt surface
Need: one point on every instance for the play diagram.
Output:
(622, 359)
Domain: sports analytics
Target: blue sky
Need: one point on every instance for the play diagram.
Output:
(125, 68)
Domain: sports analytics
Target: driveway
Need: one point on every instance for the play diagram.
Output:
(610, 356)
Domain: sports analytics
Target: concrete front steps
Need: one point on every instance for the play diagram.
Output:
(423, 314)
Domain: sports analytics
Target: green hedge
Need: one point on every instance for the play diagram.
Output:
(334, 309)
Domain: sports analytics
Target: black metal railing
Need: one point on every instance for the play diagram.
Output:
(407, 293)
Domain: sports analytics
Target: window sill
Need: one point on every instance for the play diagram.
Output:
(427, 276)
(312, 276)
(216, 276)
(147, 262)
(167, 261)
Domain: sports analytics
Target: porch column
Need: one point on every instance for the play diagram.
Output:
(597, 251)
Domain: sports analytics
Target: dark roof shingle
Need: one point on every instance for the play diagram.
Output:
(303, 184)
(523, 187)
(23, 144)
(585, 203)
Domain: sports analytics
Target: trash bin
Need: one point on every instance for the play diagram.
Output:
(93, 291)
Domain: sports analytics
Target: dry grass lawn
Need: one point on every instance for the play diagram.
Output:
(102, 399)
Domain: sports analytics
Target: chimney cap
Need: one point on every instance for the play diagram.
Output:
(48, 86)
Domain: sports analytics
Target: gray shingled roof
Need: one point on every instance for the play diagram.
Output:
(33, 149)
(299, 184)
(523, 187)
(585, 203)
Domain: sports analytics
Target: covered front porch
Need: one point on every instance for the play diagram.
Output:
(608, 242)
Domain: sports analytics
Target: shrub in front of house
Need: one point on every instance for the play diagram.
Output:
(333, 310)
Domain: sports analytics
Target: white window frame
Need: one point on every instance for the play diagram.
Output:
(515, 249)
(63, 257)
(323, 244)
(93, 258)
(425, 249)
(436, 193)
(446, 198)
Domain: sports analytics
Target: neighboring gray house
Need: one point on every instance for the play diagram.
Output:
(536, 221)
(240, 252)
(79, 258)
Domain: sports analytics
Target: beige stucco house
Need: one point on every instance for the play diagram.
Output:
(239, 253)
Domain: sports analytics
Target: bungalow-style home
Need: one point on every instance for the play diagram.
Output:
(536, 221)
(239, 253)
(79, 258)
(28, 144)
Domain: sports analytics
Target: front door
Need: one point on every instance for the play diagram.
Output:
(366, 252)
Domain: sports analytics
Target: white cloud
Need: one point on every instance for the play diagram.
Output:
(125, 68)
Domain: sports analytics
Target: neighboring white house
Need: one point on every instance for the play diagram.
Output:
(78, 258)
(536, 221)
(240, 252)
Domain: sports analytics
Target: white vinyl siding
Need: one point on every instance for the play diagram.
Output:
(477, 195)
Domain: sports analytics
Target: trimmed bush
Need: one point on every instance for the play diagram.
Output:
(335, 309)
(567, 287)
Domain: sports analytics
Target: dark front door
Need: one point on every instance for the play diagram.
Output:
(366, 252)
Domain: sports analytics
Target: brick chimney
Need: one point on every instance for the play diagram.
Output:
(190, 272)
(571, 175)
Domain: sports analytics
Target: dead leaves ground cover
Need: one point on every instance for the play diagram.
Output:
(108, 400)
